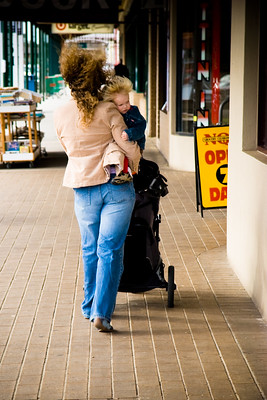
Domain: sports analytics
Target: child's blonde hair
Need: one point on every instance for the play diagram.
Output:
(118, 84)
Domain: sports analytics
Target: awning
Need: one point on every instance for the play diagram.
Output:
(89, 11)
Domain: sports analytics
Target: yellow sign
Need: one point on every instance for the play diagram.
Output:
(212, 156)
(82, 28)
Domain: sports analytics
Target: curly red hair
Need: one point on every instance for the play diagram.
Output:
(83, 70)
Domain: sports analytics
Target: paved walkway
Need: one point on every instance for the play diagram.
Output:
(211, 345)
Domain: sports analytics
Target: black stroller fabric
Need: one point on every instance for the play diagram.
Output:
(143, 266)
(150, 180)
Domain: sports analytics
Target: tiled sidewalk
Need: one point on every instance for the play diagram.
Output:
(211, 345)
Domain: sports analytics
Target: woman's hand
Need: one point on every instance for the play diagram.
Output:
(124, 136)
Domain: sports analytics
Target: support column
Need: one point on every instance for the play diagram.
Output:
(152, 73)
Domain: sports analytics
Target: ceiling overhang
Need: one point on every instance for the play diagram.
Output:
(65, 11)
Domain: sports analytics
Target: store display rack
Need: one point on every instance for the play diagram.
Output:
(20, 139)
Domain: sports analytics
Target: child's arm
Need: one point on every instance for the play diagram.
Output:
(137, 131)
(136, 124)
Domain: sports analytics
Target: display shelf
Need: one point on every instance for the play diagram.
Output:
(16, 157)
(26, 113)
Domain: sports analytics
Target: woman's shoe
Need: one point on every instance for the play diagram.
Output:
(102, 325)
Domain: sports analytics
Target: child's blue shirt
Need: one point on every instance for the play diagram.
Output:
(136, 126)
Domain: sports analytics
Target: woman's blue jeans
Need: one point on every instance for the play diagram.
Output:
(103, 213)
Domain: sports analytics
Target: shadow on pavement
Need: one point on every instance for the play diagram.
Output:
(52, 160)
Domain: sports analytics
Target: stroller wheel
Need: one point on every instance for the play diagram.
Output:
(171, 286)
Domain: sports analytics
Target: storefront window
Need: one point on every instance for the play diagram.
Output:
(203, 64)
(185, 69)
(188, 73)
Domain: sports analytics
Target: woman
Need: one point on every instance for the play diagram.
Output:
(85, 127)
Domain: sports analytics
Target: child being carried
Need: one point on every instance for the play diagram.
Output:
(118, 91)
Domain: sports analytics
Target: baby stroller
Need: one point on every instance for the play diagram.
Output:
(143, 266)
